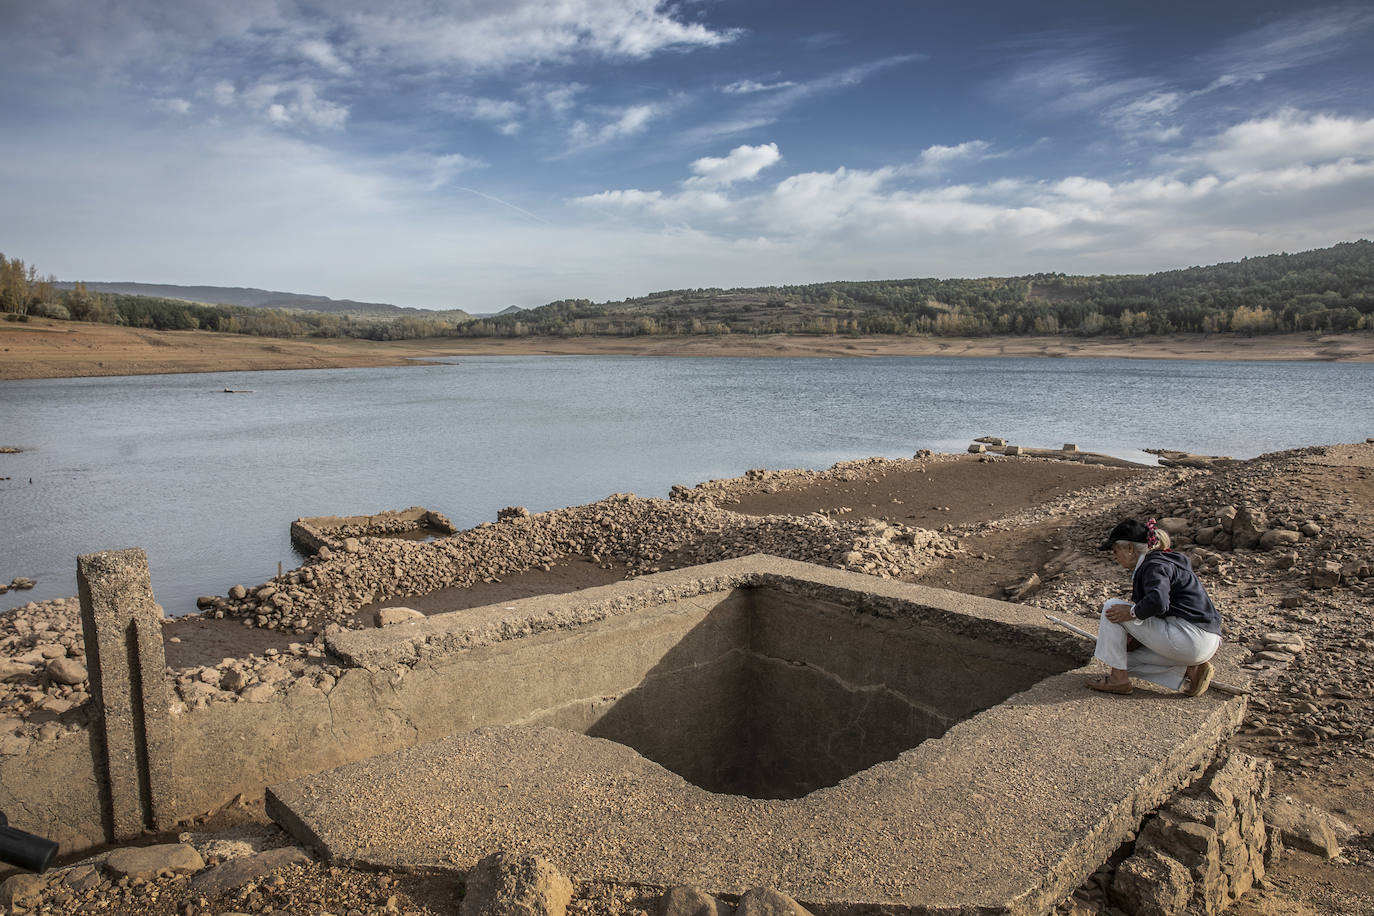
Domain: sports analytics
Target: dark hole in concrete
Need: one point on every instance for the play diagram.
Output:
(775, 695)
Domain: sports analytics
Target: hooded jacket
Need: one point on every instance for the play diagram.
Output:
(1164, 585)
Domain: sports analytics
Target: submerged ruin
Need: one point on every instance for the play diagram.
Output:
(864, 745)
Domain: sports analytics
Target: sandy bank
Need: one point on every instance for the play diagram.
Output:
(41, 348)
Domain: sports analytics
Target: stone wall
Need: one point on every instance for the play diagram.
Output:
(1197, 854)
(329, 531)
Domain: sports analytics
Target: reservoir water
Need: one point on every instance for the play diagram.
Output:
(208, 482)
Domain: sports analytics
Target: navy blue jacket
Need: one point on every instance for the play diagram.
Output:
(1164, 585)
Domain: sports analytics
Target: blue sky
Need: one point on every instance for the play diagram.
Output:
(484, 153)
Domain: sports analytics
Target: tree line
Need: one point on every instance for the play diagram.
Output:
(1325, 290)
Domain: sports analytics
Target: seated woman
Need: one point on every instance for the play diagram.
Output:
(1169, 630)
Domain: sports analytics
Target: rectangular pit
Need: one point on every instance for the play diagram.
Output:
(775, 694)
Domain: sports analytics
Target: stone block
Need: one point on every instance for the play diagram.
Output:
(122, 624)
(1152, 884)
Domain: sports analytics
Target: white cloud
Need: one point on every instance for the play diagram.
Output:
(625, 123)
(224, 93)
(741, 164)
(748, 87)
(323, 54)
(445, 168)
(174, 106)
(1287, 139)
(936, 159)
(293, 103)
(1292, 41)
(496, 34)
(1319, 191)
(503, 114)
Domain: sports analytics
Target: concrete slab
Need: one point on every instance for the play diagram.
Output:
(1006, 812)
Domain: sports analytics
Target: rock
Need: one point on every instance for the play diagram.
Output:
(1278, 537)
(21, 890)
(235, 873)
(1303, 826)
(13, 670)
(1152, 884)
(686, 900)
(1226, 517)
(233, 680)
(1011, 450)
(149, 862)
(1310, 529)
(67, 671)
(765, 901)
(1206, 536)
(205, 602)
(1286, 560)
(1028, 587)
(81, 878)
(258, 693)
(238, 593)
(511, 512)
(1248, 526)
(388, 616)
(1174, 526)
(977, 448)
(504, 884)
(20, 583)
(1326, 574)
(351, 545)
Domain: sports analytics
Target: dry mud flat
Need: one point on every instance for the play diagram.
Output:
(1283, 542)
(43, 348)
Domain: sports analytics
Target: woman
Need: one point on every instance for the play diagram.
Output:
(1169, 630)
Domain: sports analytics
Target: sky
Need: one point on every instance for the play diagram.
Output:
(478, 154)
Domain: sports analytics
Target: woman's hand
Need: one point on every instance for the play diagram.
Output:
(1119, 613)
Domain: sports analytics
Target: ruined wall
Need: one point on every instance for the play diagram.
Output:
(328, 531)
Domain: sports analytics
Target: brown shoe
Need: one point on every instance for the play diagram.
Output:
(1199, 679)
(1102, 685)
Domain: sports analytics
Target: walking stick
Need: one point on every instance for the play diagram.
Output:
(1230, 689)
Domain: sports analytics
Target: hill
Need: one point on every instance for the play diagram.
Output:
(1327, 289)
(248, 297)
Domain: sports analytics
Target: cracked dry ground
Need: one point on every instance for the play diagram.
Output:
(1311, 714)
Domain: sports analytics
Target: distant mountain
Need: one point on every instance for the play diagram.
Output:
(511, 310)
(264, 298)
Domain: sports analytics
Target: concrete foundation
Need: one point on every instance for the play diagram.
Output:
(864, 746)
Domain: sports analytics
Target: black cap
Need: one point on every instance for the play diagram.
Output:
(1127, 530)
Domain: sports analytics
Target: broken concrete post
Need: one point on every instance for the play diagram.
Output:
(123, 630)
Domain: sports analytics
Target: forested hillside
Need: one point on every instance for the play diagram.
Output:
(1325, 290)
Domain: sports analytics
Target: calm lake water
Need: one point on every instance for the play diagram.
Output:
(208, 483)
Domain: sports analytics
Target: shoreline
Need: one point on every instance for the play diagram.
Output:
(43, 348)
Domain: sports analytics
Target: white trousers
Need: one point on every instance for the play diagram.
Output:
(1168, 645)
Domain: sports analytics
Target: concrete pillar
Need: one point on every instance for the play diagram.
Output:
(124, 653)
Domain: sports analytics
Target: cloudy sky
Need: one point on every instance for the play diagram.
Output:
(484, 153)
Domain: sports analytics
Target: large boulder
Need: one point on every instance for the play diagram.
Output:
(1305, 827)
